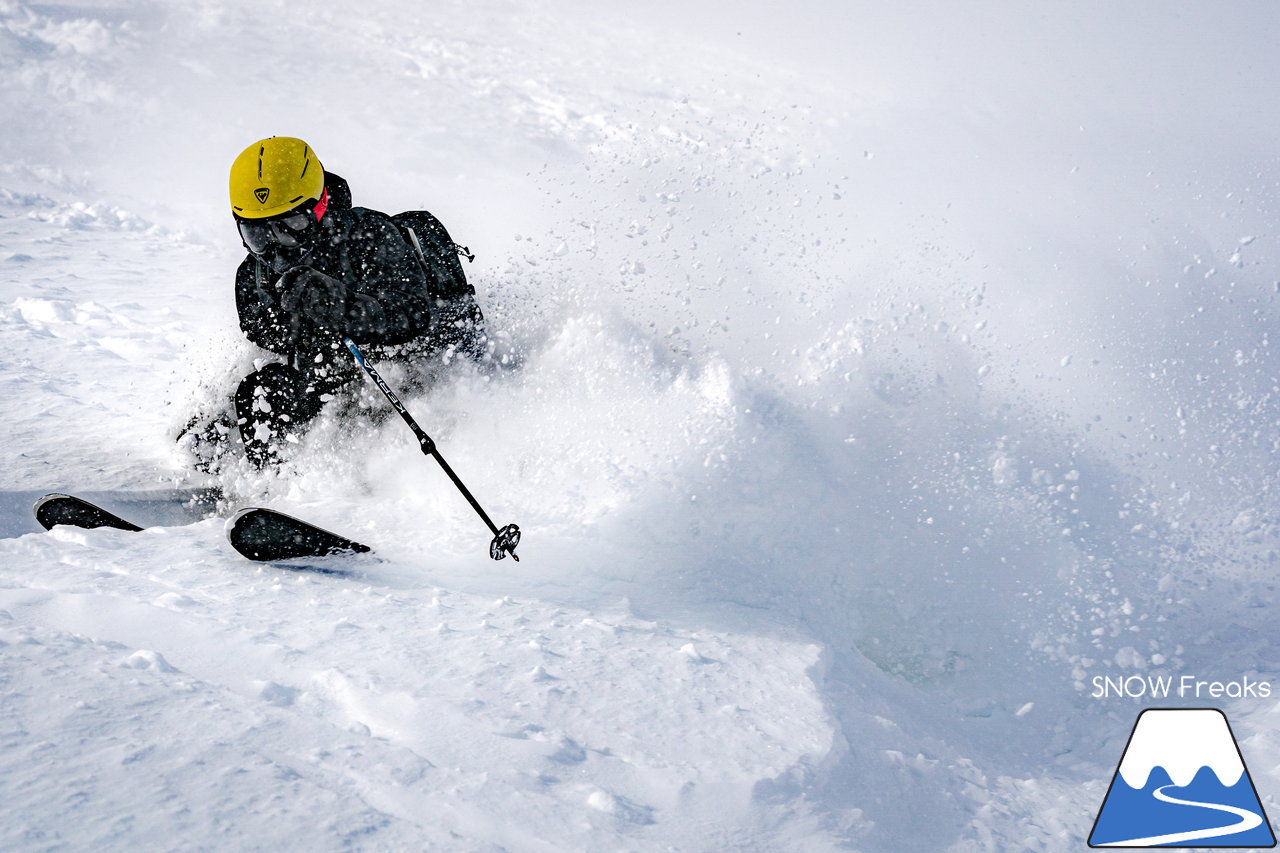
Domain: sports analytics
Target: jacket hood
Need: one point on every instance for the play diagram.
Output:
(339, 192)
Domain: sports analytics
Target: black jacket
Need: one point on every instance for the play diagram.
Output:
(388, 303)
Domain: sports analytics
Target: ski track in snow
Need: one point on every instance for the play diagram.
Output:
(855, 414)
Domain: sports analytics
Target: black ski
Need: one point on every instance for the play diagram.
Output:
(129, 509)
(255, 532)
(266, 535)
(54, 509)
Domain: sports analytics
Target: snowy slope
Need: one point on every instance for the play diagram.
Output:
(879, 375)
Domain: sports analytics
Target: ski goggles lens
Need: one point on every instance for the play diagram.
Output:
(287, 230)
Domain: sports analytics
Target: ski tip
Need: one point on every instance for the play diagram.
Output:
(56, 509)
(266, 535)
(39, 511)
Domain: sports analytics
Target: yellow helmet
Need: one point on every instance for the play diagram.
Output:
(273, 176)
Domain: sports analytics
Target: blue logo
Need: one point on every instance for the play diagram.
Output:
(1182, 782)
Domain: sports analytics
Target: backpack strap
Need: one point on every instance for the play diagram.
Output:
(463, 251)
(417, 248)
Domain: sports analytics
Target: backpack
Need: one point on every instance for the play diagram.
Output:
(455, 318)
(437, 253)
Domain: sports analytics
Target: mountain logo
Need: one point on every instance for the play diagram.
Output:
(1182, 782)
(261, 194)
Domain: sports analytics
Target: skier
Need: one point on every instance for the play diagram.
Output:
(317, 270)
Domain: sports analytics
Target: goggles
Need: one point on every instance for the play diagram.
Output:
(288, 230)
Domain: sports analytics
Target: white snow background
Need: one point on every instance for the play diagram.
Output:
(881, 373)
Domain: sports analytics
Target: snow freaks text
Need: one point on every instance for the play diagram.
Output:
(1181, 687)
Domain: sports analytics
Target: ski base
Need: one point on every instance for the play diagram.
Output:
(265, 535)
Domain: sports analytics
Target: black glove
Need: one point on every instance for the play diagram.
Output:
(312, 298)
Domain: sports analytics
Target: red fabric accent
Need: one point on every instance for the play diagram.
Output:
(322, 205)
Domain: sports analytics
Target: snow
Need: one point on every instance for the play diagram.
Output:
(337, 701)
(841, 476)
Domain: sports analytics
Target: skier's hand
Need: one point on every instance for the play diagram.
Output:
(314, 298)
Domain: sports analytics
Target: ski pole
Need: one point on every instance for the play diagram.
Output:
(506, 539)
